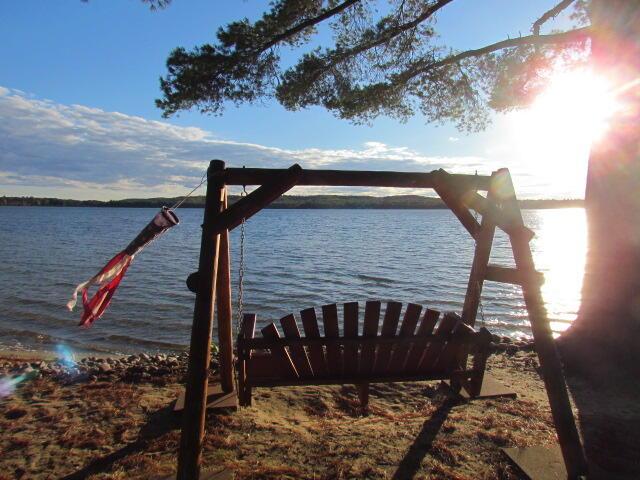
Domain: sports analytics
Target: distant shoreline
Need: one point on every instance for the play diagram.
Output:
(309, 202)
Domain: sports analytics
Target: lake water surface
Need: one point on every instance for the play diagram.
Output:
(295, 259)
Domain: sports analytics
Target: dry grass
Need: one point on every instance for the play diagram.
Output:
(118, 431)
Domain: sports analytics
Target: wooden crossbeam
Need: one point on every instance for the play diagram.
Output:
(266, 343)
(513, 276)
(351, 178)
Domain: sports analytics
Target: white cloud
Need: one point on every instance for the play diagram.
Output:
(86, 152)
(75, 151)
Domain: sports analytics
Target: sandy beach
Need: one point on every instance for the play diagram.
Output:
(113, 419)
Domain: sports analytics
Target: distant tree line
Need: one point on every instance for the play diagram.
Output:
(288, 201)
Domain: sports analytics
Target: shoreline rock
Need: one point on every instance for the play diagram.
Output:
(160, 367)
(156, 368)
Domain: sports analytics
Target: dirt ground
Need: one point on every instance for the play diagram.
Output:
(119, 430)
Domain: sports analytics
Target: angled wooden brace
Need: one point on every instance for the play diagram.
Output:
(260, 198)
(229, 218)
(463, 198)
(452, 199)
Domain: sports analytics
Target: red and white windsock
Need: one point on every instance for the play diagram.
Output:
(110, 276)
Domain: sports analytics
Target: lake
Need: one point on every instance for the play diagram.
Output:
(294, 259)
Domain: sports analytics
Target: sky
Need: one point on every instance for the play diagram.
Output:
(78, 120)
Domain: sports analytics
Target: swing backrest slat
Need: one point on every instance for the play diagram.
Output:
(435, 349)
(351, 331)
(427, 324)
(389, 327)
(248, 328)
(370, 330)
(331, 330)
(278, 352)
(298, 353)
(407, 330)
(316, 352)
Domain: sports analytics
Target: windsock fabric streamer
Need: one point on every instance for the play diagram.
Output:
(110, 276)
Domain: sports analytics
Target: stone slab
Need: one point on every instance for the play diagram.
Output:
(216, 399)
(491, 388)
(539, 463)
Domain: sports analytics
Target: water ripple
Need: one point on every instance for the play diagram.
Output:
(294, 259)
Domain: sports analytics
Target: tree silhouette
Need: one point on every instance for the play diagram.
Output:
(390, 64)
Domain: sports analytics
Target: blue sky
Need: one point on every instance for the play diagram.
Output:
(77, 114)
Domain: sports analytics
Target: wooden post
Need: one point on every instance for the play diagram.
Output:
(363, 396)
(193, 417)
(484, 242)
(550, 364)
(224, 310)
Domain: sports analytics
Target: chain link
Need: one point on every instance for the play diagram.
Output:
(240, 301)
(482, 322)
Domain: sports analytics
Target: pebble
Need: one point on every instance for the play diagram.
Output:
(105, 367)
(132, 368)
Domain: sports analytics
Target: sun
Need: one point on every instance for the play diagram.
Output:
(579, 103)
(554, 135)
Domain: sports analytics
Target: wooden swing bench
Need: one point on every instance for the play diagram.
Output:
(421, 349)
(435, 351)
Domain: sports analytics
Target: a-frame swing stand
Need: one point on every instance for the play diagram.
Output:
(212, 285)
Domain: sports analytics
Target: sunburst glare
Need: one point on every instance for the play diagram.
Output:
(560, 253)
(554, 135)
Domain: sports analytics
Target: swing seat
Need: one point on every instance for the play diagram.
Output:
(436, 350)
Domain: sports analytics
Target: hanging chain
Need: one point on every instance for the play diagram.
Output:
(240, 304)
(482, 322)
(480, 305)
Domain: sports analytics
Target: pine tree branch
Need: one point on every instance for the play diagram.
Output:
(548, 15)
(306, 24)
(337, 56)
(579, 34)
(391, 33)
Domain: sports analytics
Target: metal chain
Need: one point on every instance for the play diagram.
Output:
(240, 304)
(482, 322)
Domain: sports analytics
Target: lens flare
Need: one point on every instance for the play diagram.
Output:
(8, 385)
(65, 356)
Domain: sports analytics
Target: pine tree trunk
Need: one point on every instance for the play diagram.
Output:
(609, 317)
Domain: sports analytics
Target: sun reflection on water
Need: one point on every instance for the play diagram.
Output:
(559, 250)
